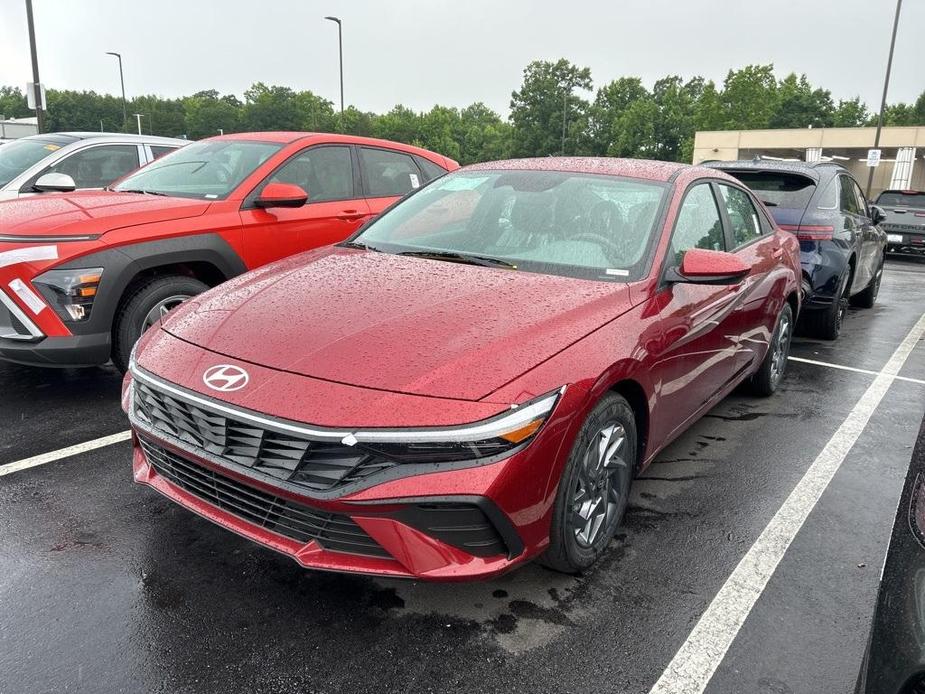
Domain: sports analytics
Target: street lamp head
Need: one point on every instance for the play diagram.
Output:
(333, 19)
(118, 55)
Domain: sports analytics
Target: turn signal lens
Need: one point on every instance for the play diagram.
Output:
(70, 292)
(524, 433)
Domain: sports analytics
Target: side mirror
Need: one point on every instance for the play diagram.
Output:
(281, 195)
(877, 214)
(701, 266)
(54, 183)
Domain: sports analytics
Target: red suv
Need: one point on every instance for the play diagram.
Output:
(82, 275)
(474, 379)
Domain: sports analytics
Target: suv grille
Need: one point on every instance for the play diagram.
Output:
(293, 520)
(317, 465)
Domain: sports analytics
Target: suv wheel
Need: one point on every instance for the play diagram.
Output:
(143, 306)
(827, 323)
(594, 488)
(868, 297)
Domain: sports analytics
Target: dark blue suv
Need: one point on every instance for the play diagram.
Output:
(841, 247)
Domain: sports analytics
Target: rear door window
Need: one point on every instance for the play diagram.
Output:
(388, 173)
(159, 150)
(778, 188)
(848, 199)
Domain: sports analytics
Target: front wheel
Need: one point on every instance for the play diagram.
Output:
(774, 365)
(594, 488)
(144, 306)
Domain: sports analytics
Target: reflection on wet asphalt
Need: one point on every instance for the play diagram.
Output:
(105, 586)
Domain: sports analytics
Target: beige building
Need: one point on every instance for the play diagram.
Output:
(899, 167)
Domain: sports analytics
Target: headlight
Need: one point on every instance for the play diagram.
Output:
(70, 292)
(484, 439)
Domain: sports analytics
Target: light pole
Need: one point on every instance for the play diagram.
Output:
(122, 82)
(886, 85)
(340, 50)
(36, 85)
(138, 117)
(564, 117)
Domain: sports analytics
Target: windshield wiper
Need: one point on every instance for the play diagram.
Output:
(359, 244)
(142, 191)
(453, 257)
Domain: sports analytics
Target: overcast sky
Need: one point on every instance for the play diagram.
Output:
(454, 52)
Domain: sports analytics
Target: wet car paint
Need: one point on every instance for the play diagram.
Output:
(103, 589)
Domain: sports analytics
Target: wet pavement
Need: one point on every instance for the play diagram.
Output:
(107, 587)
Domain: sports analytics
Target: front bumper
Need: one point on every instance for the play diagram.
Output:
(905, 240)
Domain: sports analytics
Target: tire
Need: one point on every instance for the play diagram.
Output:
(827, 323)
(141, 304)
(580, 531)
(774, 365)
(868, 297)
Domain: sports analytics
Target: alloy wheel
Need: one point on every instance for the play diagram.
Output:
(161, 309)
(598, 493)
(781, 349)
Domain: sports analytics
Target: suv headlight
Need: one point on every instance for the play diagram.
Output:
(70, 292)
(484, 439)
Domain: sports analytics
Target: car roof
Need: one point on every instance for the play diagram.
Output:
(289, 137)
(74, 136)
(610, 166)
(812, 169)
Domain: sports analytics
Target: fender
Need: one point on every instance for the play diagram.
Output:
(122, 264)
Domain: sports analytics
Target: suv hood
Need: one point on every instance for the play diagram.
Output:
(90, 212)
(395, 323)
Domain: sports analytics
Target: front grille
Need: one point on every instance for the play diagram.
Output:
(332, 531)
(314, 464)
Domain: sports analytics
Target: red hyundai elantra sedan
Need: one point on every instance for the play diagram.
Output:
(475, 378)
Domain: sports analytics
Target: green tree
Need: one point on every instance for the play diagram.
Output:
(798, 105)
(749, 97)
(206, 114)
(13, 103)
(850, 113)
(543, 100)
(609, 104)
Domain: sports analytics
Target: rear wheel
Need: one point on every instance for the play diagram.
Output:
(827, 323)
(144, 305)
(868, 297)
(774, 365)
(594, 488)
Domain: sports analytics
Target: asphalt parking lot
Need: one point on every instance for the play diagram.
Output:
(107, 587)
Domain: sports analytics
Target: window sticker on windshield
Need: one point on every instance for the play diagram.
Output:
(415, 183)
(463, 183)
(29, 297)
(52, 148)
(616, 272)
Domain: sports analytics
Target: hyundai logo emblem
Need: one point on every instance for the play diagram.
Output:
(225, 378)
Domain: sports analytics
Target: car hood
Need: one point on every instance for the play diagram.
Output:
(904, 219)
(399, 324)
(90, 212)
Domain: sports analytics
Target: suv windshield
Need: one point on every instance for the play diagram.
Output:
(209, 170)
(17, 156)
(900, 199)
(778, 189)
(578, 225)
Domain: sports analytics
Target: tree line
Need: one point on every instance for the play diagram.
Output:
(556, 110)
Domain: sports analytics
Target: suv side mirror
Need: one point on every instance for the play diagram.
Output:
(54, 183)
(700, 266)
(877, 214)
(281, 195)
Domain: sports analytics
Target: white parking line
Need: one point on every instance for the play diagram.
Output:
(43, 458)
(693, 666)
(855, 370)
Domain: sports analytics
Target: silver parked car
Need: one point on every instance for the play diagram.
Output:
(73, 161)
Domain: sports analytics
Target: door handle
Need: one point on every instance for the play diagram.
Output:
(350, 215)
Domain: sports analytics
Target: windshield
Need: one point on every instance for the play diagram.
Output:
(579, 225)
(19, 155)
(899, 199)
(208, 170)
(778, 189)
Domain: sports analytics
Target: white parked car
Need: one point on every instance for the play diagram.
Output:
(74, 161)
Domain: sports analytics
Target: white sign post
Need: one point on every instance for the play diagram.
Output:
(873, 157)
(30, 96)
